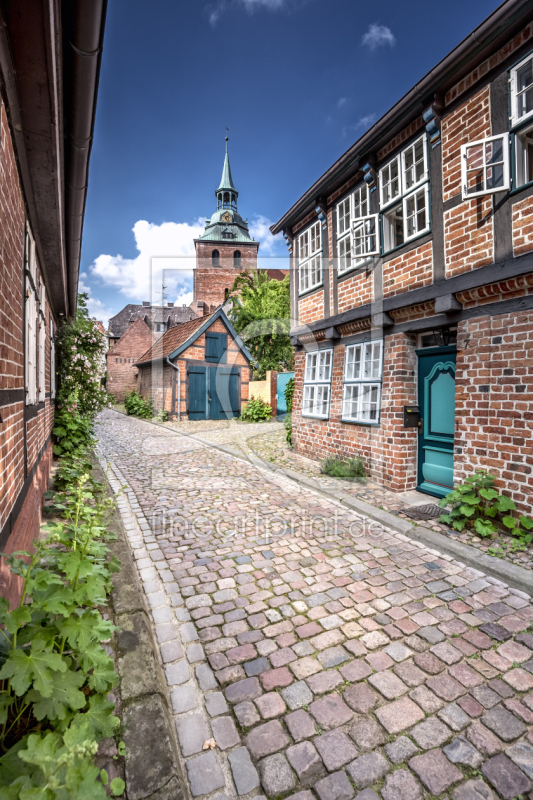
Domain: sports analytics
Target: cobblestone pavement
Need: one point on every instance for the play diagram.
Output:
(272, 447)
(326, 658)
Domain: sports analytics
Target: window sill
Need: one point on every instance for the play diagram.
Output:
(360, 268)
(416, 241)
(364, 423)
(523, 188)
(315, 416)
(310, 291)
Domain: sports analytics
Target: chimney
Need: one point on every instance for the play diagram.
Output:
(185, 305)
(170, 305)
(146, 303)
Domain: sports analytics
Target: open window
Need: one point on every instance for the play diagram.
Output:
(365, 237)
(485, 166)
(351, 212)
(317, 384)
(363, 374)
(310, 258)
(521, 85)
(523, 156)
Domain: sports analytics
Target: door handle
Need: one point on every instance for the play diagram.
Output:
(209, 396)
(420, 424)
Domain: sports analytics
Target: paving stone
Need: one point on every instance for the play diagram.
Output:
(401, 785)
(276, 678)
(506, 777)
(462, 752)
(297, 695)
(267, 739)
(473, 790)
(334, 787)
(495, 631)
(374, 640)
(367, 734)
(246, 713)
(230, 674)
(305, 666)
(307, 763)
(485, 741)
(335, 749)
(300, 725)
(399, 715)
(205, 774)
(398, 651)
(248, 689)
(360, 698)
(388, 684)
(435, 771)
(171, 651)
(192, 733)
(177, 673)
(205, 677)
(446, 687)
(525, 639)
(409, 673)
(256, 667)
(514, 651)
(429, 663)
(400, 750)
(333, 657)
(356, 671)
(243, 771)
(277, 777)
(324, 681)
(504, 724)
(215, 704)
(183, 699)
(431, 634)
(330, 712)
(519, 679)
(486, 696)
(367, 794)
(431, 733)
(454, 717)
(270, 705)
(367, 769)
(521, 754)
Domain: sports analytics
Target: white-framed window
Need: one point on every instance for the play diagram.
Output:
(350, 211)
(30, 319)
(521, 84)
(363, 375)
(365, 238)
(485, 166)
(51, 330)
(310, 257)
(42, 359)
(404, 195)
(317, 383)
(523, 156)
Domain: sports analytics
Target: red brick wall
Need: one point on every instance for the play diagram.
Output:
(355, 290)
(411, 270)
(494, 402)
(523, 226)
(121, 369)
(210, 283)
(311, 307)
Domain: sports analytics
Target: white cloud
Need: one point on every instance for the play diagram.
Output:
(341, 102)
(166, 256)
(96, 308)
(360, 126)
(259, 230)
(378, 36)
(214, 12)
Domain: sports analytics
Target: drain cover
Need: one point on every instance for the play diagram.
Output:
(423, 512)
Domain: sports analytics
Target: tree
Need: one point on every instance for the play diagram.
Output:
(261, 316)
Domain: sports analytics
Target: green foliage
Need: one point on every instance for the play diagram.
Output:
(477, 504)
(256, 410)
(71, 430)
(80, 350)
(137, 407)
(261, 315)
(162, 415)
(289, 393)
(55, 674)
(337, 467)
(287, 424)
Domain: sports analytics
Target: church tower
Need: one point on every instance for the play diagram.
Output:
(224, 249)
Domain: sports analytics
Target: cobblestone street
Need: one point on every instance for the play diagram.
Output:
(312, 652)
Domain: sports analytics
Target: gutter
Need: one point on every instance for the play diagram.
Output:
(84, 48)
(504, 17)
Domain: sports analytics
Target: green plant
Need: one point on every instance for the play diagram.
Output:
(70, 428)
(287, 424)
(337, 467)
(477, 504)
(256, 410)
(162, 415)
(137, 407)
(289, 393)
(55, 673)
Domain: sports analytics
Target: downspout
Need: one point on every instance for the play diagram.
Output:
(175, 366)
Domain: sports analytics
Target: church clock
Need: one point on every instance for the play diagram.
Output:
(226, 217)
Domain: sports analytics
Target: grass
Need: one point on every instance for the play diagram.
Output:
(349, 469)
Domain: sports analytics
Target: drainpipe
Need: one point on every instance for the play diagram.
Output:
(174, 366)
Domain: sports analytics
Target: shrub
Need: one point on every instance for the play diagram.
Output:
(70, 428)
(162, 415)
(289, 392)
(256, 410)
(477, 504)
(287, 424)
(337, 467)
(137, 407)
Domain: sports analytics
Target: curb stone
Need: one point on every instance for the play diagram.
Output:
(152, 769)
(517, 577)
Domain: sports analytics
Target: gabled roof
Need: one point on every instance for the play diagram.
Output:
(177, 339)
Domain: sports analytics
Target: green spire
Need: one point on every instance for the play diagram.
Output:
(226, 182)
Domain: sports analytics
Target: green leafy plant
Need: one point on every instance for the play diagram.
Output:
(477, 504)
(289, 393)
(337, 467)
(287, 424)
(137, 407)
(71, 430)
(162, 415)
(55, 673)
(256, 410)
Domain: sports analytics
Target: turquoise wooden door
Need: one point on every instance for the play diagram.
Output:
(197, 392)
(436, 398)
(223, 392)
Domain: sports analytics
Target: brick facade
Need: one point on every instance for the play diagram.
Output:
(213, 283)
(121, 370)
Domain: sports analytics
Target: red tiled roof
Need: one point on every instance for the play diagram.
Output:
(277, 274)
(172, 339)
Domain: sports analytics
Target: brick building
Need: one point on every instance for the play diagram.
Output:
(49, 65)
(197, 370)
(121, 357)
(158, 318)
(412, 277)
(224, 249)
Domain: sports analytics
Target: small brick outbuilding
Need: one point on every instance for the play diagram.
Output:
(198, 370)
(121, 358)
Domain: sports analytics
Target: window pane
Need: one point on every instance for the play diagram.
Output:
(343, 216)
(345, 254)
(360, 202)
(351, 399)
(415, 164)
(524, 88)
(369, 405)
(365, 237)
(393, 227)
(353, 363)
(390, 183)
(415, 213)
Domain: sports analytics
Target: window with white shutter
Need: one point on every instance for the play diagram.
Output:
(30, 319)
(52, 358)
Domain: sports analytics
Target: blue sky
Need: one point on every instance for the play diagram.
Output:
(295, 81)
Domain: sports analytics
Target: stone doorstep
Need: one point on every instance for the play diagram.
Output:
(152, 764)
(513, 575)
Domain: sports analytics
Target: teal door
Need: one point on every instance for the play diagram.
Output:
(223, 392)
(436, 398)
(197, 392)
